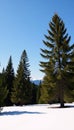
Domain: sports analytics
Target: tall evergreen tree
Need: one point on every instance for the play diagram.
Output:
(38, 92)
(22, 86)
(9, 80)
(25, 64)
(34, 93)
(59, 66)
(3, 89)
(69, 96)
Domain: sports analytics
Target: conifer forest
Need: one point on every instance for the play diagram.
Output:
(57, 85)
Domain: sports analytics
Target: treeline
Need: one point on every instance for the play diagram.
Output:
(17, 89)
(58, 68)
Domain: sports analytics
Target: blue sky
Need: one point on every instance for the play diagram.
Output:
(23, 24)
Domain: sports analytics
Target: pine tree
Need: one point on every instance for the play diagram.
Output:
(59, 66)
(22, 86)
(9, 80)
(34, 93)
(69, 96)
(3, 90)
(38, 92)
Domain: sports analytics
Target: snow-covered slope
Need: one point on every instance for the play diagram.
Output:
(37, 117)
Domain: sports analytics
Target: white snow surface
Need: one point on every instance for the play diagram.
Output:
(37, 117)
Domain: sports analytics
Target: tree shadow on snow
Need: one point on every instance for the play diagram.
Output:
(9, 113)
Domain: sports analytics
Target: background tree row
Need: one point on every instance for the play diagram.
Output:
(17, 89)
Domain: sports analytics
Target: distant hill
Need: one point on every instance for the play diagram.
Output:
(37, 82)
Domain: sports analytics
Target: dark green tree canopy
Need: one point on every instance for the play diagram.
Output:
(3, 89)
(25, 64)
(9, 74)
(58, 53)
(22, 87)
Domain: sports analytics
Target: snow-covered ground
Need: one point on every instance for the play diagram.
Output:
(37, 117)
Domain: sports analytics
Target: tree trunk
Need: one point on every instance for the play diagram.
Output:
(61, 95)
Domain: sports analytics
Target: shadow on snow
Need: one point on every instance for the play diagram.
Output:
(9, 113)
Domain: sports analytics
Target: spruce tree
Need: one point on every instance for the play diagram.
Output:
(59, 66)
(9, 73)
(34, 93)
(3, 90)
(38, 92)
(22, 86)
(69, 96)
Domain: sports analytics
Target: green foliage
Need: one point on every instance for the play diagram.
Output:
(59, 66)
(22, 91)
(9, 76)
(25, 64)
(3, 90)
(34, 93)
(39, 92)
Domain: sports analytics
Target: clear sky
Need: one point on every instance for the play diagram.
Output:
(23, 24)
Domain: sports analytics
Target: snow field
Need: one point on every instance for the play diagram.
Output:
(37, 117)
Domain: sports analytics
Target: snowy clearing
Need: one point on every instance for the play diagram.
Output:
(37, 117)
